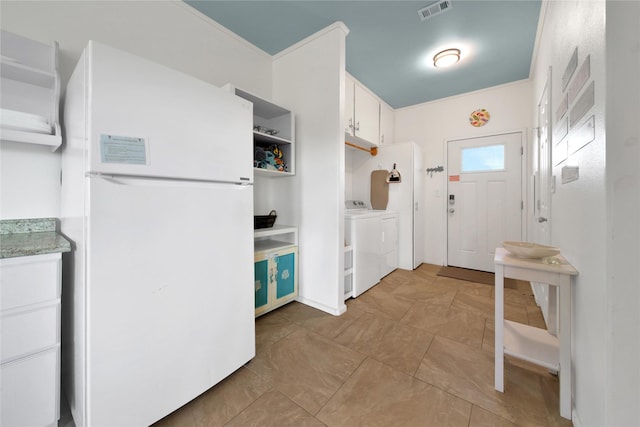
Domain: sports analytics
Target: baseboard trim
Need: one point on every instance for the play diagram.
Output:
(330, 310)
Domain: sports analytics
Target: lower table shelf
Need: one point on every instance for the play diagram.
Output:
(534, 345)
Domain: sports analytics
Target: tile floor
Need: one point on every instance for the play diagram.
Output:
(416, 350)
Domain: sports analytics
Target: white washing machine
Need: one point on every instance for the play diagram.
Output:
(374, 237)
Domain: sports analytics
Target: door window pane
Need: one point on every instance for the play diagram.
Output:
(482, 159)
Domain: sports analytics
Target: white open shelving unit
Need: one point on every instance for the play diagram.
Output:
(275, 237)
(276, 247)
(273, 125)
(31, 87)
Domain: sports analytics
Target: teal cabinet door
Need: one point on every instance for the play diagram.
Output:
(261, 274)
(285, 280)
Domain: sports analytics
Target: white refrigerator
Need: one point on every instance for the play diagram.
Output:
(157, 198)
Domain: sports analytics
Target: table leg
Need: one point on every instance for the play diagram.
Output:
(565, 347)
(552, 310)
(499, 328)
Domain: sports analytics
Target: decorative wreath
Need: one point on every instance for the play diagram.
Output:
(479, 118)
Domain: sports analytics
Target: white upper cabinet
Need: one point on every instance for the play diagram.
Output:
(30, 86)
(367, 114)
(362, 110)
(349, 123)
(387, 124)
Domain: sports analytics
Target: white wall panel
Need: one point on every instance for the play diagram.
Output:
(578, 209)
(469, 210)
(309, 79)
(623, 188)
(496, 220)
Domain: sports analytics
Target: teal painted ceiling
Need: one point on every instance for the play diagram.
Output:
(389, 49)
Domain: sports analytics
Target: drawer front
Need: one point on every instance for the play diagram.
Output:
(30, 331)
(30, 390)
(30, 280)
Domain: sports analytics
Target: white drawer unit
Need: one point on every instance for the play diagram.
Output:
(30, 351)
(30, 390)
(30, 280)
(29, 331)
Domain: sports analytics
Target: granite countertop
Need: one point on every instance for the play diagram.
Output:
(24, 237)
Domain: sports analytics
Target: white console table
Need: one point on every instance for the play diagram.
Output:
(524, 342)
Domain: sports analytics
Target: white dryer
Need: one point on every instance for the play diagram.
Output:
(374, 237)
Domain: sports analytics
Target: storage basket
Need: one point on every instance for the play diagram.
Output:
(264, 221)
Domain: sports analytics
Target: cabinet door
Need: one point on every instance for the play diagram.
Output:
(261, 271)
(349, 122)
(367, 115)
(389, 258)
(386, 124)
(389, 234)
(286, 273)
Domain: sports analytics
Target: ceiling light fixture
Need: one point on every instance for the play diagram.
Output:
(446, 58)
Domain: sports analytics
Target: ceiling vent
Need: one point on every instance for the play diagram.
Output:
(434, 9)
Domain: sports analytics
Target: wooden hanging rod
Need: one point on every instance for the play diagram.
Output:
(373, 150)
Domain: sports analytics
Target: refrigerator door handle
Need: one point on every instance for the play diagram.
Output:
(110, 179)
(161, 181)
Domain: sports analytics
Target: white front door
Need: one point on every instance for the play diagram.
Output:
(484, 198)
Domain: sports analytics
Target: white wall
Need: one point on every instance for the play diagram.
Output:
(623, 201)
(431, 124)
(309, 78)
(578, 209)
(168, 32)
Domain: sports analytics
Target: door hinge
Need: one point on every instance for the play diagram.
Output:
(521, 150)
(521, 205)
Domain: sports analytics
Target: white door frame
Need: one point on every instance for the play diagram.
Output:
(542, 231)
(523, 171)
(546, 296)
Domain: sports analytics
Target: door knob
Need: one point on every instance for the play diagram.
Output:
(542, 219)
(451, 210)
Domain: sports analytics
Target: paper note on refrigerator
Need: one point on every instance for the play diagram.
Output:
(123, 149)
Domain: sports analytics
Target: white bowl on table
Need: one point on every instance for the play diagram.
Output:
(530, 250)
